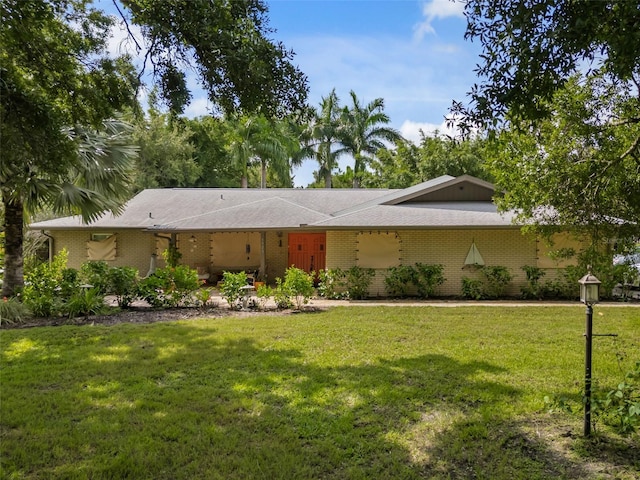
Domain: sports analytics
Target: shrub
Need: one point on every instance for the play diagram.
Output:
(281, 295)
(123, 283)
(231, 288)
(533, 289)
(472, 288)
(12, 311)
(566, 286)
(264, 293)
(203, 297)
(85, 302)
(398, 279)
(497, 279)
(358, 281)
(151, 289)
(332, 284)
(426, 278)
(95, 273)
(40, 293)
(169, 287)
(69, 284)
(620, 407)
(299, 285)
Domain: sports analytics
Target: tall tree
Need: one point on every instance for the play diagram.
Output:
(532, 47)
(322, 136)
(58, 85)
(363, 133)
(255, 140)
(436, 155)
(575, 169)
(166, 157)
(531, 51)
(239, 66)
(57, 73)
(96, 178)
(208, 137)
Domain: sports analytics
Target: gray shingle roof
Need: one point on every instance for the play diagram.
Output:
(192, 209)
(417, 215)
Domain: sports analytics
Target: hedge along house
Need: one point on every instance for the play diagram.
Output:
(450, 221)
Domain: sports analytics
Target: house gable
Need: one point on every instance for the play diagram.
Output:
(453, 189)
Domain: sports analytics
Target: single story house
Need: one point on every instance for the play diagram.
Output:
(448, 220)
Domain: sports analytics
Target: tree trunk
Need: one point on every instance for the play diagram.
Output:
(13, 262)
(327, 179)
(263, 175)
(244, 183)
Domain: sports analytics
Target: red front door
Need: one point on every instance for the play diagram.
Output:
(307, 251)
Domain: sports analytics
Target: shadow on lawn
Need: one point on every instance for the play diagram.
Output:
(175, 401)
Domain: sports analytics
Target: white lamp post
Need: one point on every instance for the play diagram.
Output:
(589, 295)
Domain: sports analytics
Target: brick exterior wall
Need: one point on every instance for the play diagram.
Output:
(133, 248)
(504, 247)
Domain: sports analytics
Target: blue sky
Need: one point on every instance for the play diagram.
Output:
(412, 53)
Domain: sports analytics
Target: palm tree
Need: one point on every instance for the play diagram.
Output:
(95, 179)
(256, 140)
(322, 135)
(363, 133)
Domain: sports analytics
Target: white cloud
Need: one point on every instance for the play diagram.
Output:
(412, 130)
(437, 10)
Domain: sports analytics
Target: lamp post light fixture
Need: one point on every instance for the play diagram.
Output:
(589, 295)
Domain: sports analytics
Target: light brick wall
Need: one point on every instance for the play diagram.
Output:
(504, 247)
(277, 256)
(133, 248)
(197, 252)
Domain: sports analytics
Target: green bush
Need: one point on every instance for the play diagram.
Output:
(620, 407)
(264, 293)
(497, 278)
(332, 284)
(85, 302)
(70, 283)
(151, 289)
(231, 288)
(398, 280)
(123, 283)
(282, 295)
(203, 297)
(169, 287)
(472, 288)
(95, 273)
(358, 281)
(299, 285)
(42, 290)
(534, 289)
(12, 311)
(426, 278)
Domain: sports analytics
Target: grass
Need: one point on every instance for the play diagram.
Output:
(357, 393)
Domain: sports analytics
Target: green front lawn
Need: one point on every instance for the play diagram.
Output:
(356, 392)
